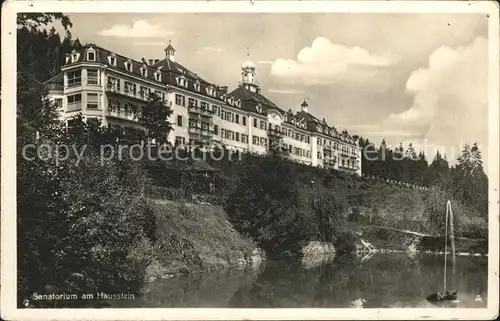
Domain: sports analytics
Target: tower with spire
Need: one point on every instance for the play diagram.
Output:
(170, 51)
(248, 75)
(304, 106)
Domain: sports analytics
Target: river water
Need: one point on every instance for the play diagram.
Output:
(379, 281)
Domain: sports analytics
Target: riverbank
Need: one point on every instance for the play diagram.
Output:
(194, 237)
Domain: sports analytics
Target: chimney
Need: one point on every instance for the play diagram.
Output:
(223, 89)
(150, 62)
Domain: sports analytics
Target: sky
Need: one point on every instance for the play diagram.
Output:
(402, 77)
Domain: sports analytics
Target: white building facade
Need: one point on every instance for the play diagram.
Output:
(100, 84)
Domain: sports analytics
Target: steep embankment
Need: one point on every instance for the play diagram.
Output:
(195, 237)
(417, 210)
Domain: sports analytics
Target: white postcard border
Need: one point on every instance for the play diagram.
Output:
(8, 254)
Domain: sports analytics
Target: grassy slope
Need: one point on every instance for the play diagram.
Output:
(193, 237)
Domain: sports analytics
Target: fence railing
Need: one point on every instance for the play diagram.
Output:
(395, 182)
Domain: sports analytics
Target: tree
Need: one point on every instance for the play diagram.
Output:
(154, 117)
(470, 184)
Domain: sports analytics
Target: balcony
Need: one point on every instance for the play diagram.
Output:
(110, 88)
(328, 147)
(348, 167)
(275, 132)
(345, 153)
(200, 111)
(121, 114)
(329, 161)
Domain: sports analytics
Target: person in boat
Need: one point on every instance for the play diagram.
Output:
(449, 295)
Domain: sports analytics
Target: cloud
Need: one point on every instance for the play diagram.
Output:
(212, 49)
(285, 91)
(139, 29)
(149, 43)
(325, 62)
(450, 105)
(265, 62)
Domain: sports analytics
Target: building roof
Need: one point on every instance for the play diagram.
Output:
(250, 100)
(169, 70)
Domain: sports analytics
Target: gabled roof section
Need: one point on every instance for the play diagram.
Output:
(56, 82)
(170, 70)
(250, 100)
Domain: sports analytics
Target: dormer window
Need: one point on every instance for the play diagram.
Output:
(112, 60)
(318, 127)
(210, 91)
(74, 56)
(144, 71)
(259, 108)
(129, 65)
(158, 76)
(238, 103)
(197, 86)
(91, 54)
(182, 81)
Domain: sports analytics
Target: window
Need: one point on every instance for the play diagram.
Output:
(144, 92)
(74, 78)
(308, 139)
(179, 121)
(129, 66)
(112, 60)
(262, 125)
(244, 120)
(74, 57)
(192, 102)
(144, 72)
(237, 137)
(74, 99)
(180, 100)
(255, 123)
(197, 86)
(262, 141)
(237, 120)
(92, 101)
(91, 55)
(216, 110)
(92, 77)
(244, 138)
(204, 105)
(255, 140)
(158, 76)
(114, 83)
(130, 87)
(216, 129)
(130, 108)
(58, 102)
(319, 141)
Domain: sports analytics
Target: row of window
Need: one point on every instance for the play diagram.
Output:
(133, 89)
(300, 151)
(259, 141)
(231, 135)
(75, 77)
(345, 149)
(92, 100)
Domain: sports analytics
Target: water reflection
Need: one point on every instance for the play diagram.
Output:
(379, 281)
